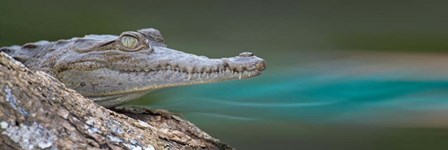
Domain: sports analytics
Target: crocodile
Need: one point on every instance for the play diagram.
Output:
(111, 69)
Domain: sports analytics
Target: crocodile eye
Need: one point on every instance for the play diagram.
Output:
(129, 41)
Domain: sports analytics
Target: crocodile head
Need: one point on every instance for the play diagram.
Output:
(113, 69)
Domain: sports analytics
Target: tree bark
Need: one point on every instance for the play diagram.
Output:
(39, 112)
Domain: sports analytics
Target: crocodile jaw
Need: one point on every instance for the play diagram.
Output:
(135, 74)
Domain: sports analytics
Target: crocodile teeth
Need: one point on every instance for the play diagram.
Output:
(198, 72)
(190, 69)
(208, 70)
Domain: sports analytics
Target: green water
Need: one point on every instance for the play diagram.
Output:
(341, 74)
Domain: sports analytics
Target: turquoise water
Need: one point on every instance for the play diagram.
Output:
(304, 98)
(308, 98)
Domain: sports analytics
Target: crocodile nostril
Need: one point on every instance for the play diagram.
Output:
(246, 54)
(261, 65)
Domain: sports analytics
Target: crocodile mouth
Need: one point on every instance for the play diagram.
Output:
(127, 78)
(201, 73)
(181, 76)
(169, 75)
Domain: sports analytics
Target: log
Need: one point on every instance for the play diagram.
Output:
(39, 112)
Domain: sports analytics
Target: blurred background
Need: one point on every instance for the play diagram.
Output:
(344, 74)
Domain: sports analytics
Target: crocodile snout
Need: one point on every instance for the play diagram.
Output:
(261, 65)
